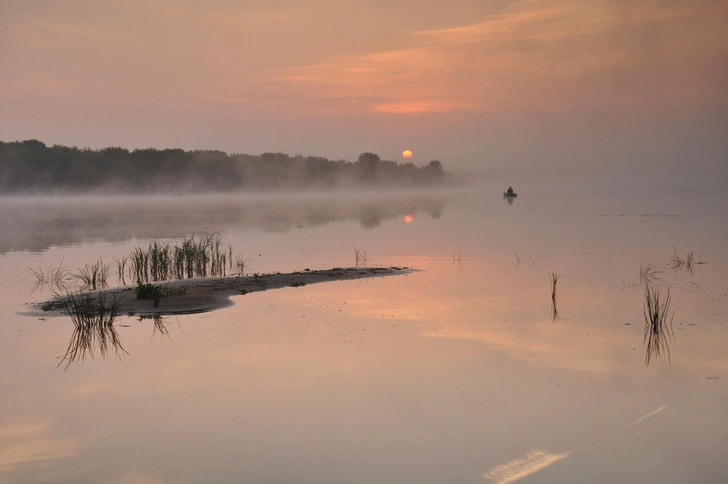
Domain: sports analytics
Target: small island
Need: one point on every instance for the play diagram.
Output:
(190, 296)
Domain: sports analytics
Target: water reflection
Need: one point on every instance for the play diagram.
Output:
(658, 323)
(93, 326)
(36, 224)
(160, 325)
(95, 332)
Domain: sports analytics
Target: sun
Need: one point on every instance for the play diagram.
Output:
(406, 154)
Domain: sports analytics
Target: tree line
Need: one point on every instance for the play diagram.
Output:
(31, 166)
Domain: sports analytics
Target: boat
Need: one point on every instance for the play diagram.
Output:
(509, 195)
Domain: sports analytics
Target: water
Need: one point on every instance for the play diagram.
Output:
(455, 373)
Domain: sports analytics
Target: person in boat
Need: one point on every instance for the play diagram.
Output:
(510, 191)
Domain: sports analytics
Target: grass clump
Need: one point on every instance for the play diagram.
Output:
(195, 256)
(94, 276)
(658, 328)
(149, 291)
(156, 293)
(58, 279)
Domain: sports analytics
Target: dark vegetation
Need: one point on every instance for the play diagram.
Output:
(31, 166)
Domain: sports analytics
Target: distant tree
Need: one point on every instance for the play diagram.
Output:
(31, 166)
(435, 166)
(369, 165)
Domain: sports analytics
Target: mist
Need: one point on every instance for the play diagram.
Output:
(30, 167)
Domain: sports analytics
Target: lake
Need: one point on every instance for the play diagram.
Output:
(459, 372)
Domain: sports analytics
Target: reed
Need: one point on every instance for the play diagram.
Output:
(554, 279)
(360, 257)
(658, 328)
(648, 274)
(121, 269)
(458, 259)
(241, 263)
(94, 276)
(677, 262)
(158, 258)
(139, 265)
(93, 320)
(58, 279)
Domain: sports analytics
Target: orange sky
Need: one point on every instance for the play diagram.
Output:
(338, 78)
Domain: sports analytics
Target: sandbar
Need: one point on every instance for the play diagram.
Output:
(196, 295)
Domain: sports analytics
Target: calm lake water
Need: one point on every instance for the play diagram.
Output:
(456, 373)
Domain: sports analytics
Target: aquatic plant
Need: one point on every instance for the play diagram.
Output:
(677, 262)
(648, 274)
(658, 329)
(56, 278)
(139, 265)
(158, 258)
(360, 257)
(94, 276)
(195, 256)
(458, 260)
(554, 278)
(93, 320)
(241, 263)
(121, 269)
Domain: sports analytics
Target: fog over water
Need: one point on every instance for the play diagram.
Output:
(37, 223)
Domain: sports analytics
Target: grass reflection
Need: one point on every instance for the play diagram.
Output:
(658, 327)
(93, 320)
(160, 325)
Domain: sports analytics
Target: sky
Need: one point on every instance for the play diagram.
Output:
(531, 89)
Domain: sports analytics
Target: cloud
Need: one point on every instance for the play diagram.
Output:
(533, 54)
(25, 443)
(517, 469)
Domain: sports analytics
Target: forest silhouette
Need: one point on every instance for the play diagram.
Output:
(32, 167)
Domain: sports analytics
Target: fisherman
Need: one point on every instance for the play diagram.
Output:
(510, 191)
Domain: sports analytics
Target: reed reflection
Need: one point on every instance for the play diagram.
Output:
(658, 323)
(93, 326)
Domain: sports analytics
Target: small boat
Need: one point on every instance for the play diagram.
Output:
(509, 195)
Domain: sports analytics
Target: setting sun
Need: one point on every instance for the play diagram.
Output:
(406, 154)
(408, 218)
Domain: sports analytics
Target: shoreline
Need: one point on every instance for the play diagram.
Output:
(198, 295)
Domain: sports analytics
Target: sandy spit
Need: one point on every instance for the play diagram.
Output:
(206, 294)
